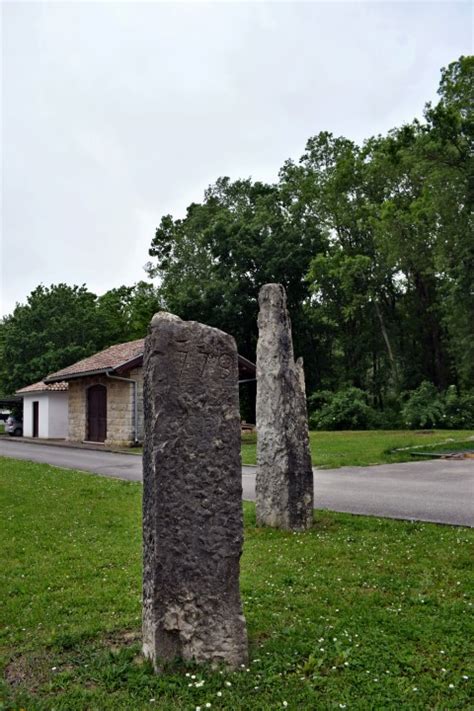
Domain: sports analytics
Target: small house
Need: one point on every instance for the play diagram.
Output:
(105, 394)
(45, 410)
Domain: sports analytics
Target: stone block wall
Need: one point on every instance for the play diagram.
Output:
(120, 409)
(119, 413)
(76, 411)
(137, 374)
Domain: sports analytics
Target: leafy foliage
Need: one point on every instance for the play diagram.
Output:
(458, 409)
(344, 410)
(56, 327)
(424, 407)
(213, 262)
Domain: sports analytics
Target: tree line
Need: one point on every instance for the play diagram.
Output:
(373, 243)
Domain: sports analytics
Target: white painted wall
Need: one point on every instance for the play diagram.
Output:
(58, 415)
(53, 414)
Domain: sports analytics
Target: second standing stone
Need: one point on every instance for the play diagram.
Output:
(284, 484)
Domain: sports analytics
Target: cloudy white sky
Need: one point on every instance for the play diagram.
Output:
(114, 114)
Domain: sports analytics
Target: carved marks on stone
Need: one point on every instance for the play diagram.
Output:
(191, 362)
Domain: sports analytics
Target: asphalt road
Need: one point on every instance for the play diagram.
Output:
(437, 490)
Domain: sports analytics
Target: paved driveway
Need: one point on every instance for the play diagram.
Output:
(436, 490)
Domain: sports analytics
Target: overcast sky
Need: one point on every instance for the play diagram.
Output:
(115, 114)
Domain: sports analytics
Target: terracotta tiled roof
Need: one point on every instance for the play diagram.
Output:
(43, 387)
(113, 358)
(109, 359)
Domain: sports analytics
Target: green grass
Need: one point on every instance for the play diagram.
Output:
(338, 449)
(360, 612)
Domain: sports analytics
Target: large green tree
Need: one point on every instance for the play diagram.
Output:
(125, 312)
(55, 327)
(213, 262)
(352, 285)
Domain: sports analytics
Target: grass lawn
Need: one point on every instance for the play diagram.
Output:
(360, 613)
(338, 449)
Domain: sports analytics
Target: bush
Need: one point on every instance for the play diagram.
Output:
(388, 419)
(344, 410)
(459, 409)
(424, 408)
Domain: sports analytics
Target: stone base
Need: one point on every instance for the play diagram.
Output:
(122, 443)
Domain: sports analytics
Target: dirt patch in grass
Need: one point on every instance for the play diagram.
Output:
(32, 670)
(116, 641)
(29, 670)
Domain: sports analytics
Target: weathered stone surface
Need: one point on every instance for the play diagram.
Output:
(284, 482)
(192, 495)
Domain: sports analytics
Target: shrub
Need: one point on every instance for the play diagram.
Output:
(344, 410)
(424, 408)
(388, 419)
(459, 409)
(428, 408)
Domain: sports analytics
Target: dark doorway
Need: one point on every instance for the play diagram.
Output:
(97, 413)
(35, 418)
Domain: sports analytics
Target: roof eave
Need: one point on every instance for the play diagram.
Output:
(126, 365)
(130, 363)
(246, 363)
(73, 376)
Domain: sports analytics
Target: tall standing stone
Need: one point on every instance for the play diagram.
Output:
(192, 495)
(284, 485)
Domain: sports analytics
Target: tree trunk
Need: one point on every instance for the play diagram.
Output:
(391, 357)
(434, 356)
